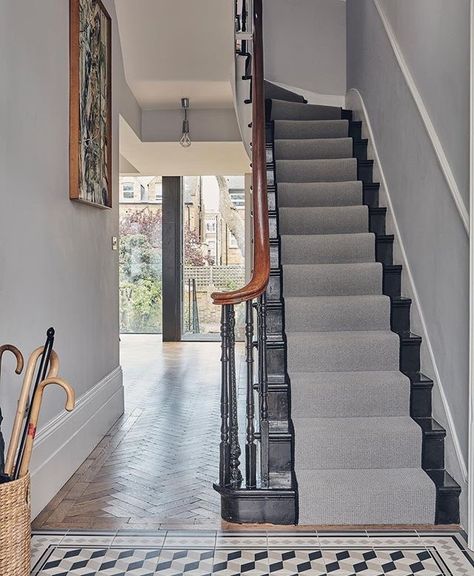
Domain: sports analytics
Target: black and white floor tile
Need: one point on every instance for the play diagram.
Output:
(173, 553)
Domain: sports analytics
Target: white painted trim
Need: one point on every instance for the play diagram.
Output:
(413, 290)
(470, 505)
(438, 147)
(313, 97)
(64, 443)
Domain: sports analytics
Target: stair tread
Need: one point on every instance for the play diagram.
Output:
(328, 248)
(313, 148)
(299, 129)
(349, 394)
(320, 194)
(366, 496)
(282, 109)
(343, 351)
(324, 170)
(331, 313)
(357, 442)
(332, 279)
(323, 220)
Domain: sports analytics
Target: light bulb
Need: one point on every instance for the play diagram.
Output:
(185, 140)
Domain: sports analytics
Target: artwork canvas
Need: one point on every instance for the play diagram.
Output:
(90, 163)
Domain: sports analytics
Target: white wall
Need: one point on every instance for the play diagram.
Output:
(431, 228)
(305, 44)
(57, 267)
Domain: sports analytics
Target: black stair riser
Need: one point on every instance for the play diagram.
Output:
(355, 130)
(359, 149)
(268, 128)
(377, 220)
(275, 315)
(421, 396)
(400, 315)
(432, 454)
(276, 362)
(384, 249)
(365, 170)
(392, 281)
(410, 354)
(346, 115)
(447, 497)
(274, 288)
(447, 507)
(281, 451)
(371, 194)
(258, 506)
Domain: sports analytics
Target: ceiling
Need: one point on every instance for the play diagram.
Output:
(177, 48)
(171, 159)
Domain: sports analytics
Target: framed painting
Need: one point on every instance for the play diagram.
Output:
(90, 104)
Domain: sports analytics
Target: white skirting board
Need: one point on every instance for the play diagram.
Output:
(455, 462)
(65, 442)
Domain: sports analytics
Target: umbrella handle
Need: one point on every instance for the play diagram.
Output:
(23, 402)
(35, 410)
(18, 355)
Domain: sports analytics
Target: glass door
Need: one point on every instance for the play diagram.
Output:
(213, 251)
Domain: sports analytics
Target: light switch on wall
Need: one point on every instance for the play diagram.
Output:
(114, 242)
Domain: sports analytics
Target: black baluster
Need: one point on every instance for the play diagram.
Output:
(235, 474)
(263, 388)
(250, 447)
(224, 471)
(244, 16)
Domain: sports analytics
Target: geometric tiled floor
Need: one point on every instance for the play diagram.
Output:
(199, 553)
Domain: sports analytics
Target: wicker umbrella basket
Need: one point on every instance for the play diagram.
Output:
(15, 528)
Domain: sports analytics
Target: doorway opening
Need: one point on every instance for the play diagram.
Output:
(213, 251)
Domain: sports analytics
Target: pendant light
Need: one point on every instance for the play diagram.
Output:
(185, 138)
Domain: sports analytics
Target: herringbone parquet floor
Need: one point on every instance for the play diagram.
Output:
(157, 464)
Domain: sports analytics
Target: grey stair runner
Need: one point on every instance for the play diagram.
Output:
(357, 450)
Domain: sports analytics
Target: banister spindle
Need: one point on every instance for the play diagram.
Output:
(263, 389)
(235, 474)
(224, 470)
(250, 447)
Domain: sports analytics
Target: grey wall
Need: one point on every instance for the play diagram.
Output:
(56, 263)
(431, 229)
(434, 38)
(305, 44)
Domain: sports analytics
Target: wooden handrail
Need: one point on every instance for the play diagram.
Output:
(261, 245)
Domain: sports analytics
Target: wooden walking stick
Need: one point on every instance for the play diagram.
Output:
(33, 420)
(22, 406)
(19, 367)
(40, 375)
(18, 355)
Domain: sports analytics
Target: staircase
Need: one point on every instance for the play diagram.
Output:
(336, 414)
(366, 450)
